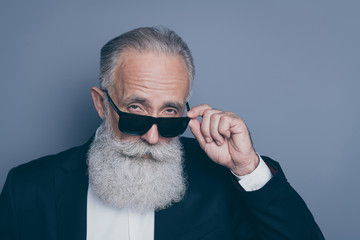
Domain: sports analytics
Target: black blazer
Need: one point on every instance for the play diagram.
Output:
(46, 199)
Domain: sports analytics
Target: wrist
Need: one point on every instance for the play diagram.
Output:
(252, 163)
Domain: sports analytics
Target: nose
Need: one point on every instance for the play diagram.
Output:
(151, 136)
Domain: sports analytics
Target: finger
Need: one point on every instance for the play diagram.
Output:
(205, 124)
(214, 128)
(227, 124)
(198, 111)
(194, 125)
(232, 124)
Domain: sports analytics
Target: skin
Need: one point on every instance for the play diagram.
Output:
(157, 85)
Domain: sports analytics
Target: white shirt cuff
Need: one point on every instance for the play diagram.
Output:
(257, 178)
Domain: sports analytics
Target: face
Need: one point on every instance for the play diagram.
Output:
(149, 84)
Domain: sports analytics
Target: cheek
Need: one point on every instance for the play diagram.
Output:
(126, 137)
(113, 119)
(114, 122)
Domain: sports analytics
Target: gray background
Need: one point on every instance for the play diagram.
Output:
(289, 69)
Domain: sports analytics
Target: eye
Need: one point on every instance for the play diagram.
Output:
(170, 111)
(134, 108)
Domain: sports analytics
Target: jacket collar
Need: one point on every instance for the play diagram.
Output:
(71, 185)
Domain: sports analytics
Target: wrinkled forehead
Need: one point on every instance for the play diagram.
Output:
(148, 74)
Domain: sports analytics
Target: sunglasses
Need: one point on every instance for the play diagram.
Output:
(137, 125)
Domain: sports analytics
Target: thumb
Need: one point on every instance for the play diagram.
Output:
(194, 125)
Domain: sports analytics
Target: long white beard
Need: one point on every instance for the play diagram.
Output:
(135, 175)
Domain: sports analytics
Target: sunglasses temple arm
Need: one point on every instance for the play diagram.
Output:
(112, 103)
(187, 106)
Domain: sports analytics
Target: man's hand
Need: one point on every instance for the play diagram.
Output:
(225, 138)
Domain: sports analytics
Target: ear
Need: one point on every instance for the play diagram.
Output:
(98, 97)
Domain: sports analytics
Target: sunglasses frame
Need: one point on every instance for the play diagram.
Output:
(149, 119)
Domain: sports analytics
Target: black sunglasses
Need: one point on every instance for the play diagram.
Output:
(134, 124)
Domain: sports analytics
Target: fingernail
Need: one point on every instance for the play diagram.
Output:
(218, 143)
(208, 140)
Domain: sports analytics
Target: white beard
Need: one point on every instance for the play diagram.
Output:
(135, 175)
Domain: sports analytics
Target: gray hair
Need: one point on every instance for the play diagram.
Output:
(146, 39)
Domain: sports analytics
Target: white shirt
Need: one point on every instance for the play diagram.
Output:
(110, 223)
(106, 222)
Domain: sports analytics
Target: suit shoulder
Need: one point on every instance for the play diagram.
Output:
(43, 168)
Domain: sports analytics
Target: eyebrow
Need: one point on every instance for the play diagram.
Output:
(134, 99)
(175, 105)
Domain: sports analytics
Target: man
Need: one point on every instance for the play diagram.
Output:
(137, 180)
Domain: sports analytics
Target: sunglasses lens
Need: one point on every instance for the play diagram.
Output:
(172, 127)
(134, 124)
(138, 125)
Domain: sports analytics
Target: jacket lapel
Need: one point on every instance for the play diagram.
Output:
(71, 185)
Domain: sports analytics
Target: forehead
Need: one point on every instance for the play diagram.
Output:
(153, 76)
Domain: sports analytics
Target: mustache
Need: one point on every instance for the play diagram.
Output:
(139, 149)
